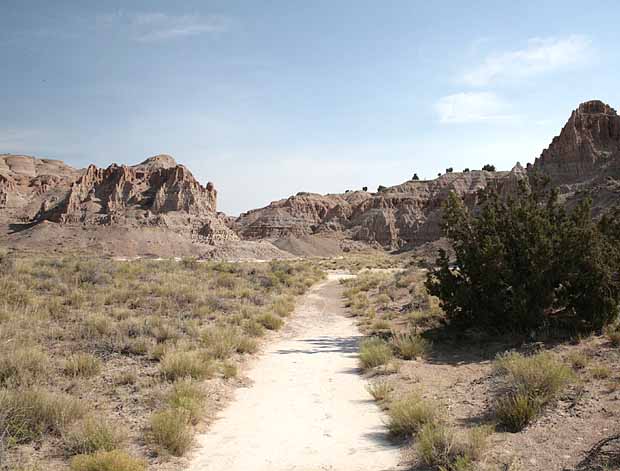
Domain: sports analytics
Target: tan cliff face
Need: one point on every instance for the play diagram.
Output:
(156, 193)
(400, 216)
(588, 145)
(583, 161)
(102, 196)
(26, 181)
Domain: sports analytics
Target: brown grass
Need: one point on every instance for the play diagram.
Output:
(132, 339)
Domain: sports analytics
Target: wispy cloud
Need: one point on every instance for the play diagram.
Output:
(471, 107)
(541, 55)
(157, 26)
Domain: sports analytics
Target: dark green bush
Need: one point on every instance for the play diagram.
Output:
(522, 262)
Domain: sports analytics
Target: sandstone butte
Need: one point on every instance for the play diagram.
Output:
(583, 160)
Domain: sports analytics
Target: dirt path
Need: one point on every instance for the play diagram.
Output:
(307, 409)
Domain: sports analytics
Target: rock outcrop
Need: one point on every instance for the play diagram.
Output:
(25, 182)
(400, 216)
(587, 147)
(157, 192)
(584, 160)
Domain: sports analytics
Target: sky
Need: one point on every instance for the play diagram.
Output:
(269, 98)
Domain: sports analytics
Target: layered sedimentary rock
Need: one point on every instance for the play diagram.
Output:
(157, 193)
(403, 215)
(26, 181)
(106, 195)
(583, 161)
(587, 147)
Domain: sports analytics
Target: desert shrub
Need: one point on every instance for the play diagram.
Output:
(410, 346)
(93, 272)
(519, 259)
(107, 461)
(380, 325)
(223, 341)
(170, 429)
(600, 372)
(489, 168)
(23, 366)
(30, 413)
(439, 446)
(613, 334)
(380, 390)
(516, 410)
(578, 360)
(92, 435)
(125, 377)
(188, 396)
(435, 444)
(531, 384)
(254, 328)
(83, 365)
(7, 263)
(179, 364)
(229, 370)
(283, 306)
(374, 352)
(408, 415)
(247, 345)
(270, 321)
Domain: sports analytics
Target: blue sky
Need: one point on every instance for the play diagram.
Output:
(268, 98)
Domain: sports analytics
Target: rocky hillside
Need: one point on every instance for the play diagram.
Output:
(157, 200)
(157, 192)
(584, 160)
(26, 181)
(400, 216)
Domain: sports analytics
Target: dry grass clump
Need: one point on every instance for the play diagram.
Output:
(374, 352)
(270, 321)
(613, 334)
(82, 365)
(380, 326)
(23, 366)
(223, 341)
(408, 415)
(27, 414)
(107, 461)
(182, 321)
(188, 396)
(171, 432)
(578, 360)
(532, 383)
(91, 435)
(180, 364)
(410, 346)
(380, 390)
(441, 447)
(600, 372)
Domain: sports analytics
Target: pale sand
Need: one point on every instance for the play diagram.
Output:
(307, 409)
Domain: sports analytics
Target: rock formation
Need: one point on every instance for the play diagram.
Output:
(161, 195)
(584, 160)
(157, 192)
(400, 216)
(26, 181)
(588, 146)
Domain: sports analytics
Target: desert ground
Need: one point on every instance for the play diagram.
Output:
(333, 364)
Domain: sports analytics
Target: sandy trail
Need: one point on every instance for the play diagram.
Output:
(307, 409)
